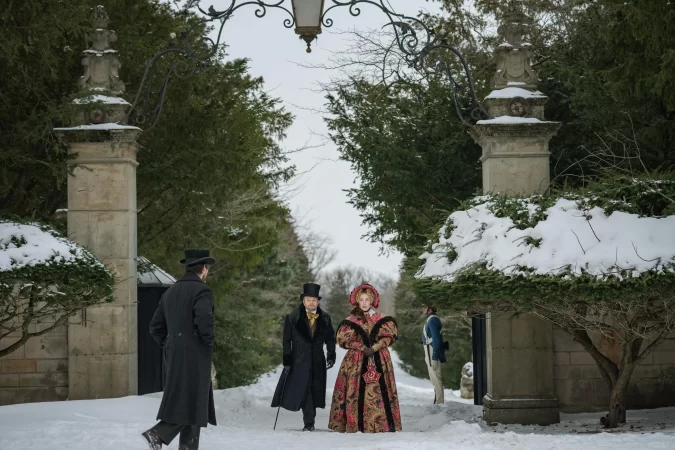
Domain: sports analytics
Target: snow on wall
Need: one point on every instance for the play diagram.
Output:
(570, 239)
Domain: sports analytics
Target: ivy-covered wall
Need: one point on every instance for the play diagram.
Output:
(45, 279)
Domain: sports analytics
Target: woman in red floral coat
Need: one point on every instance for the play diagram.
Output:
(365, 397)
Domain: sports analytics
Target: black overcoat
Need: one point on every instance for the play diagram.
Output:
(304, 354)
(183, 326)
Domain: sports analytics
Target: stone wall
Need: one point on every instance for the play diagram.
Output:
(36, 372)
(580, 387)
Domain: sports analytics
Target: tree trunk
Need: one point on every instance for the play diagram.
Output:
(617, 398)
(617, 378)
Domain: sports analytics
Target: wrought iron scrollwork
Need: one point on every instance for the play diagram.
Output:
(423, 51)
(419, 45)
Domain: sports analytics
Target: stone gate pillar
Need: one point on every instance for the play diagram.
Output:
(516, 161)
(102, 361)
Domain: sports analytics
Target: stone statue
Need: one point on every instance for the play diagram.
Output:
(101, 66)
(98, 100)
(514, 65)
(466, 383)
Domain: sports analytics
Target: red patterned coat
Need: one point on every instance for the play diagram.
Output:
(370, 407)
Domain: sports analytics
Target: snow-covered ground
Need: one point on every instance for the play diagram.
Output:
(246, 419)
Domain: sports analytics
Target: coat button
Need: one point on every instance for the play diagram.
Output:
(180, 334)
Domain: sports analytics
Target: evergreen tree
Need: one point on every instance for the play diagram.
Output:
(251, 309)
(413, 157)
(208, 172)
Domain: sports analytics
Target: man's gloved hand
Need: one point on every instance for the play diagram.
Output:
(369, 352)
(287, 361)
(329, 364)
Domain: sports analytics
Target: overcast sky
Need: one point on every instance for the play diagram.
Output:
(275, 53)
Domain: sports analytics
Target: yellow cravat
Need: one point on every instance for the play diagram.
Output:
(312, 317)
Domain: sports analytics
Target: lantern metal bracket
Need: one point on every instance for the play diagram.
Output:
(419, 45)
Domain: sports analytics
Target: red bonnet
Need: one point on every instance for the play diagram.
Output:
(352, 296)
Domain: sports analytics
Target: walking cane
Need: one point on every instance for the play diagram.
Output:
(281, 399)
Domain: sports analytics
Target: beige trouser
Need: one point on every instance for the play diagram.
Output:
(434, 375)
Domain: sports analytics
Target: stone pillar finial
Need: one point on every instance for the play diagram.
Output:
(514, 67)
(99, 17)
(101, 65)
(98, 100)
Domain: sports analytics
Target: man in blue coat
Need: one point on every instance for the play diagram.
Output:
(434, 351)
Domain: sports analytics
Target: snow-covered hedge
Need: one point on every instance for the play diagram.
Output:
(25, 245)
(615, 238)
(45, 278)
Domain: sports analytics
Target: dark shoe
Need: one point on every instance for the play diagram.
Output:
(154, 442)
(308, 427)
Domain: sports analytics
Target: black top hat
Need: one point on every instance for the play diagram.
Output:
(197, 256)
(310, 290)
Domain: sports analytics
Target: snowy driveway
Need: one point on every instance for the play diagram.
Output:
(245, 422)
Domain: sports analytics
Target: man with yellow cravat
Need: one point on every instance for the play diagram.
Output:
(303, 382)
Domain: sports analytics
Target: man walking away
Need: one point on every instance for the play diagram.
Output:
(434, 351)
(183, 326)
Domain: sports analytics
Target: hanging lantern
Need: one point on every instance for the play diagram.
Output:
(308, 15)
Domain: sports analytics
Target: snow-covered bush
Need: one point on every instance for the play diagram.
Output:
(581, 245)
(600, 259)
(44, 279)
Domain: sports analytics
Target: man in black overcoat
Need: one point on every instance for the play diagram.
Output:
(183, 326)
(303, 382)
